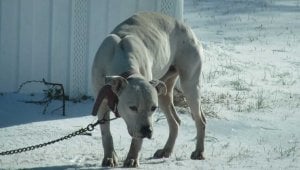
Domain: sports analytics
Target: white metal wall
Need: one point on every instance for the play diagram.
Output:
(57, 39)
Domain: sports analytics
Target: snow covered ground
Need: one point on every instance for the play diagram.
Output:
(251, 94)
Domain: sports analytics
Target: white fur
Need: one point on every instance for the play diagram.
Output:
(156, 47)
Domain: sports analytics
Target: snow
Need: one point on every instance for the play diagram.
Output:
(250, 90)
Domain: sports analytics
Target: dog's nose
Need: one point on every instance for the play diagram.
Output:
(146, 132)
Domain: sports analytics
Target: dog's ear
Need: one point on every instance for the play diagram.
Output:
(160, 87)
(117, 83)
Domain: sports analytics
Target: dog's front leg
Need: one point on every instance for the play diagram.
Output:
(132, 159)
(110, 157)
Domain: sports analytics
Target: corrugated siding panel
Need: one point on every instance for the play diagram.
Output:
(57, 39)
(146, 5)
(9, 44)
(41, 40)
(60, 42)
(26, 41)
(97, 30)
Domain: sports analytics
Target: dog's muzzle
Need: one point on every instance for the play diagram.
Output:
(147, 132)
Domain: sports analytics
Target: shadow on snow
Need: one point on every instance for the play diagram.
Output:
(14, 111)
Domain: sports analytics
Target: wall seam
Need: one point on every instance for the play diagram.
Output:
(0, 27)
(18, 45)
(49, 76)
(70, 47)
(87, 70)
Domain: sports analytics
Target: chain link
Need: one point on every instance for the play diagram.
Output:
(90, 127)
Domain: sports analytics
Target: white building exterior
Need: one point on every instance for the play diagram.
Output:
(57, 39)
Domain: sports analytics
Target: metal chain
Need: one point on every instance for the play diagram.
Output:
(90, 127)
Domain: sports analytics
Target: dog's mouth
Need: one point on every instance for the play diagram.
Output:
(145, 131)
(140, 135)
(149, 135)
(136, 135)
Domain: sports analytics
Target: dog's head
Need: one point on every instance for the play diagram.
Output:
(138, 100)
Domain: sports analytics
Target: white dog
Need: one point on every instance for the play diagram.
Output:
(138, 64)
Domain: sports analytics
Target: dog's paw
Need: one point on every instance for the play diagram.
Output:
(197, 155)
(111, 161)
(131, 163)
(162, 153)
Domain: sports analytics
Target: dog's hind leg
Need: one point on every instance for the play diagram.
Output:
(190, 83)
(167, 106)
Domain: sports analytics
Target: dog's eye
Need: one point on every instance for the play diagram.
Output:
(133, 108)
(153, 108)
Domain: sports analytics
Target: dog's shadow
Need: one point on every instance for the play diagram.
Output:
(152, 161)
(69, 167)
(63, 167)
(146, 161)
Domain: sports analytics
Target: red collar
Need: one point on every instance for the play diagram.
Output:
(112, 98)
